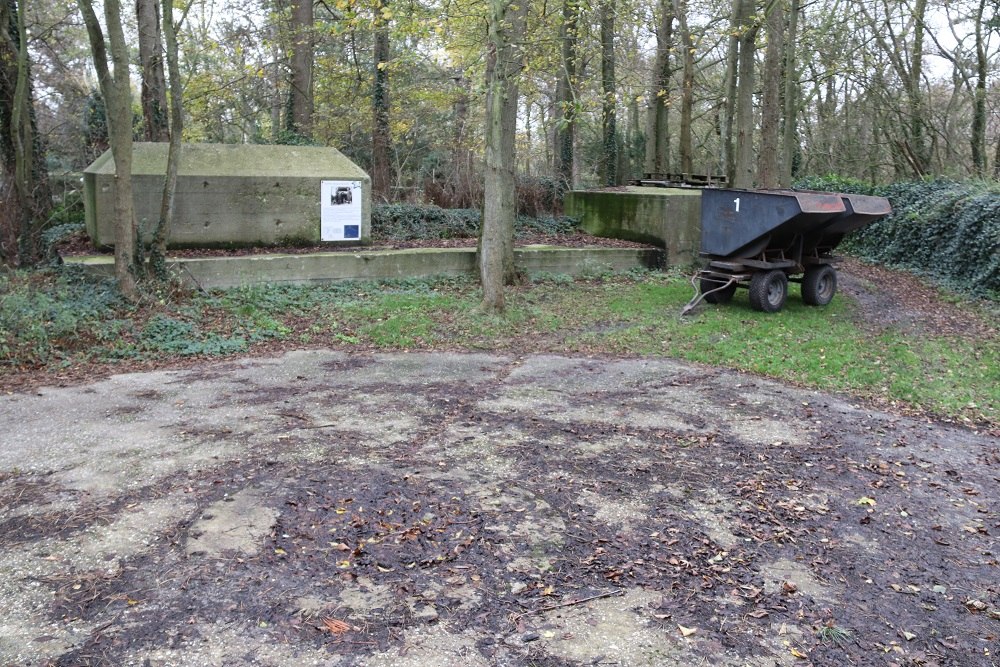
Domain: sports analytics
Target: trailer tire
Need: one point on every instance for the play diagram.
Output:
(768, 291)
(819, 284)
(724, 295)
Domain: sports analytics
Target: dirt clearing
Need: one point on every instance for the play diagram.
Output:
(324, 508)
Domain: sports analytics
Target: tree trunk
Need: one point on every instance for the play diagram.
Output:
(299, 119)
(381, 132)
(743, 149)
(116, 89)
(687, 87)
(158, 252)
(789, 139)
(277, 83)
(658, 144)
(566, 95)
(27, 199)
(609, 129)
(460, 178)
(978, 138)
(996, 162)
(635, 152)
(736, 21)
(768, 174)
(918, 122)
(463, 186)
(503, 65)
(154, 84)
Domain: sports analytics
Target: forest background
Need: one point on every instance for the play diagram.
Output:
(592, 92)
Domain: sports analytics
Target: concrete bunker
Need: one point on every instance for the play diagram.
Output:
(238, 195)
(666, 217)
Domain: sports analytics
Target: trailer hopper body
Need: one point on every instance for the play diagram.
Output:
(762, 239)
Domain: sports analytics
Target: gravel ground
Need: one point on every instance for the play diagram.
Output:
(327, 508)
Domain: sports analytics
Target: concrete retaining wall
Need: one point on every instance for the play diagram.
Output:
(222, 272)
(666, 217)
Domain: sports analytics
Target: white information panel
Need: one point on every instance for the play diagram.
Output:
(340, 210)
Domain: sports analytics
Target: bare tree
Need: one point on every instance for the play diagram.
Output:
(158, 250)
(566, 94)
(913, 147)
(505, 25)
(24, 190)
(658, 110)
(609, 106)
(746, 27)
(154, 85)
(381, 131)
(687, 86)
(768, 172)
(300, 94)
(111, 59)
(978, 138)
(789, 139)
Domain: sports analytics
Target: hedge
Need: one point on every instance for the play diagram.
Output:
(405, 222)
(945, 230)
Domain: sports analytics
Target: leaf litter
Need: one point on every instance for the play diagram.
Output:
(747, 551)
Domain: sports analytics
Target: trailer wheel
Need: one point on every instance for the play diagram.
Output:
(819, 284)
(768, 290)
(724, 295)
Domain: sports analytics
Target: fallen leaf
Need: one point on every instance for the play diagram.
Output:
(865, 500)
(686, 632)
(336, 626)
(798, 654)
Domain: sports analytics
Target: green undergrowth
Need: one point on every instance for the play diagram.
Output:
(944, 230)
(407, 222)
(53, 321)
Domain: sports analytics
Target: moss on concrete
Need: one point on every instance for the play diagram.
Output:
(238, 160)
(278, 268)
(667, 217)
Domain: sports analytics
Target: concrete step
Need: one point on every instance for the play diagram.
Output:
(324, 267)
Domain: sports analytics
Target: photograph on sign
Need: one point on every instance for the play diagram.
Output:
(340, 210)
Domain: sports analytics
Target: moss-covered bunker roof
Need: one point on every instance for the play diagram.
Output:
(238, 160)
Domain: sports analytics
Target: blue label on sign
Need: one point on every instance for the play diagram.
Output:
(352, 231)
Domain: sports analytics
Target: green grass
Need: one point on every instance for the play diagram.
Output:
(51, 321)
(834, 634)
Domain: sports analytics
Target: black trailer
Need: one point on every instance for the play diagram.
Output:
(762, 239)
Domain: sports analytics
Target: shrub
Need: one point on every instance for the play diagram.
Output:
(407, 222)
(538, 194)
(944, 230)
(170, 335)
(43, 312)
(464, 189)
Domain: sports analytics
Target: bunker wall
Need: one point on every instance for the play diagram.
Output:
(667, 217)
(238, 195)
